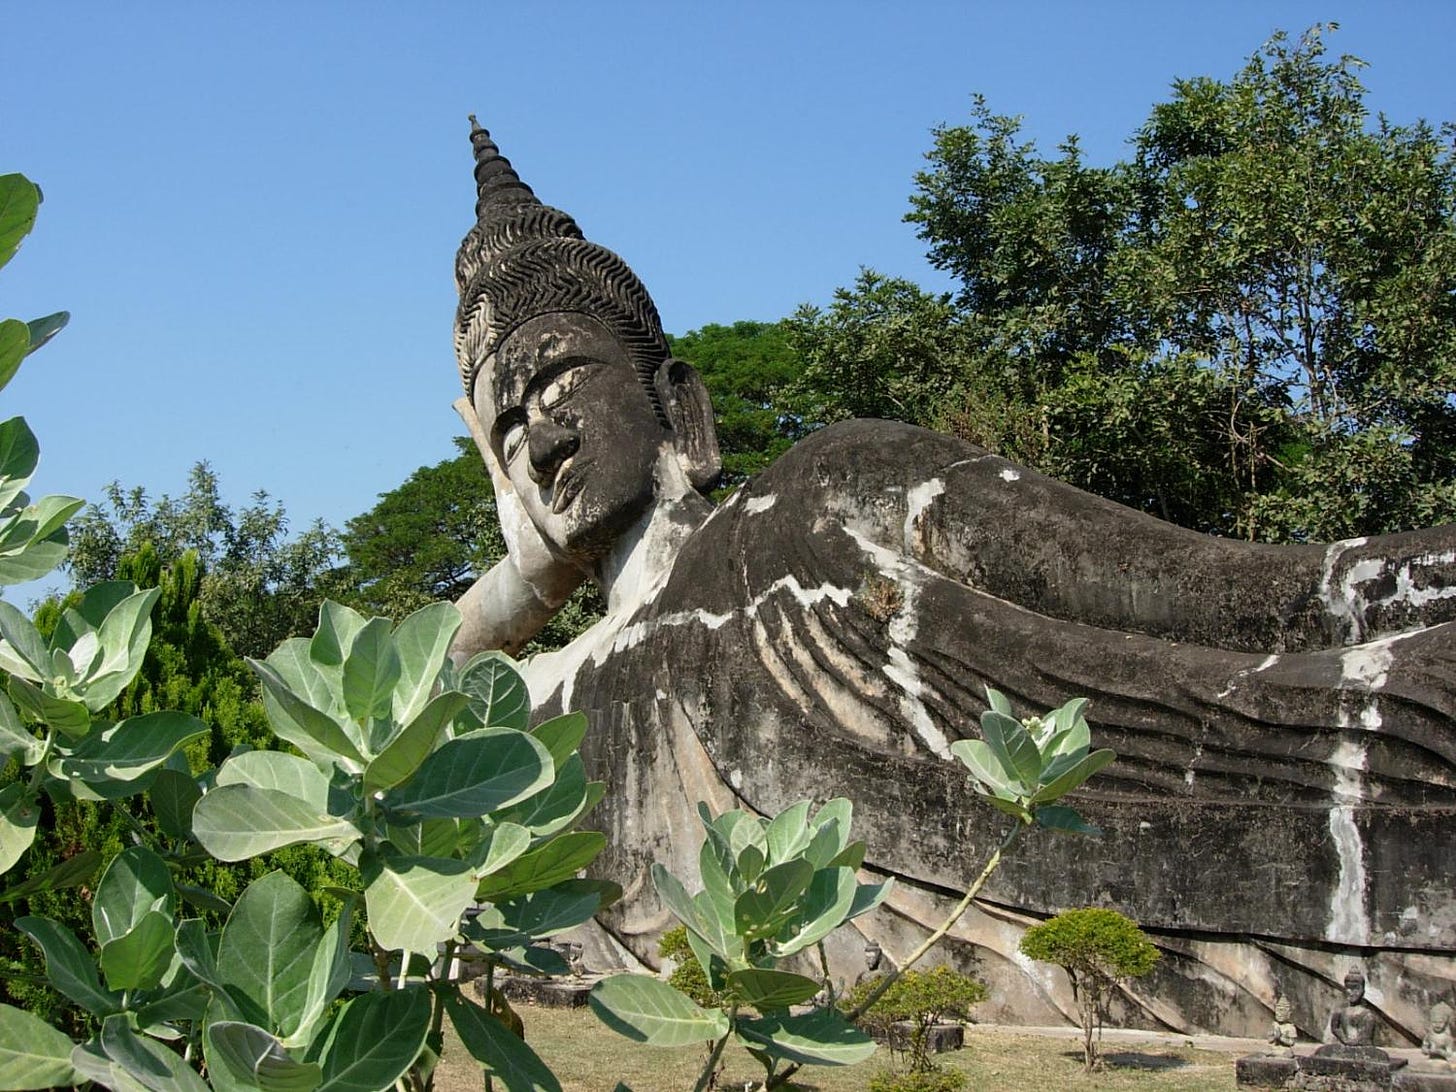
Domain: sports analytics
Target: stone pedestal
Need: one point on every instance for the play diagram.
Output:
(1265, 1070)
(939, 1039)
(550, 993)
(1338, 1068)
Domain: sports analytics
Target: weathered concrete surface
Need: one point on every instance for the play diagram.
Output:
(1273, 817)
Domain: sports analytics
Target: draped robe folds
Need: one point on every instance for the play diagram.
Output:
(1284, 800)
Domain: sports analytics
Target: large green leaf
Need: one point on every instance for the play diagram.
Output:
(501, 844)
(1013, 749)
(375, 1039)
(123, 635)
(19, 449)
(498, 694)
(825, 908)
(762, 909)
(266, 953)
(788, 833)
(15, 738)
(24, 652)
(770, 989)
(476, 774)
(559, 859)
(235, 822)
(555, 807)
(328, 974)
(650, 1011)
(1080, 772)
(69, 967)
(173, 795)
(676, 898)
(19, 202)
(44, 328)
(32, 1053)
(540, 914)
(280, 772)
(403, 755)
(254, 1059)
(136, 883)
(195, 950)
(821, 1037)
(19, 813)
(72, 872)
(14, 345)
(147, 1061)
(415, 903)
(70, 718)
(337, 627)
(505, 1055)
(138, 959)
(136, 746)
(91, 1064)
(311, 730)
(561, 735)
(291, 661)
(370, 672)
(422, 642)
(976, 756)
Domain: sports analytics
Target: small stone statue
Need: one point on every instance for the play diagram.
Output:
(1440, 1042)
(1283, 1033)
(571, 952)
(876, 965)
(1354, 1023)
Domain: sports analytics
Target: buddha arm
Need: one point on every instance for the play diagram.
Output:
(503, 610)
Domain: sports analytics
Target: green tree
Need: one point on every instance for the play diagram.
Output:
(746, 366)
(258, 585)
(1246, 328)
(1098, 949)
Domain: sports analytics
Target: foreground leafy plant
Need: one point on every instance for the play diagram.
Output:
(423, 777)
(771, 889)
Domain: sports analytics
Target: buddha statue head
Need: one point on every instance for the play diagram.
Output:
(564, 360)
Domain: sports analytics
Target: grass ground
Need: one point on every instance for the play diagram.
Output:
(587, 1057)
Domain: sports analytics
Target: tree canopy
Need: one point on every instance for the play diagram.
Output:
(1249, 327)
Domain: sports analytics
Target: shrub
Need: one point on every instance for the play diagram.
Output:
(923, 999)
(1098, 949)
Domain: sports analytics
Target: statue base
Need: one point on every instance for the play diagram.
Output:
(939, 1038)
(1340, 1068)
(549, 993)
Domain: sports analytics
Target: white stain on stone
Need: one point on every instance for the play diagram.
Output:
(1347, 603)
(1264, 665)
(1009, 475)
(917, 500)
(760, 504)
(901, 669)
(1348, 922)
(735, 778)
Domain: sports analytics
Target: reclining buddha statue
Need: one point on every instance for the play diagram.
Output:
(1285, 792)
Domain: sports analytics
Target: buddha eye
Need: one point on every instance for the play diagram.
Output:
(512, 438)
(561, 386)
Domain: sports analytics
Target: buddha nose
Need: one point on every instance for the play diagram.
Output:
(549, 445)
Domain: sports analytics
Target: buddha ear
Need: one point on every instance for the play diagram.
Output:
(684, 398)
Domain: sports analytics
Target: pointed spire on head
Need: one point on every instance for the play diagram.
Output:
(496, 180)
(523, 258)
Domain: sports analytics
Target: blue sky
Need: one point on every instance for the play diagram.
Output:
(252, 209)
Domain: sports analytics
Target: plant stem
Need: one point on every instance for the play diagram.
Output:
(945, 926)
(705, 1079)
(930, 942)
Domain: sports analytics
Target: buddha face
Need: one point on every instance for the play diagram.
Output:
(1354, 988)
(573, 430)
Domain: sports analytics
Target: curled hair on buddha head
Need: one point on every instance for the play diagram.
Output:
(523, 259)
